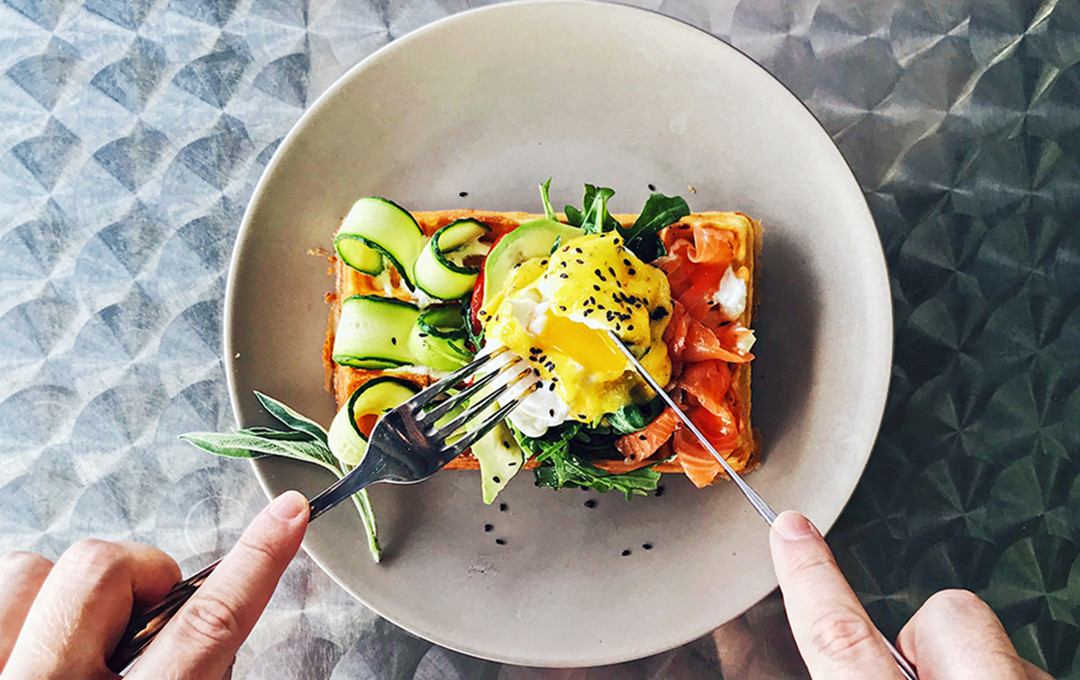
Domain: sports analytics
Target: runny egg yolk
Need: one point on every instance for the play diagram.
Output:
(555, 312)
(587, 346)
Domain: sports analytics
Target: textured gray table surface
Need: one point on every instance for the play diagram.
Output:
(132, 133)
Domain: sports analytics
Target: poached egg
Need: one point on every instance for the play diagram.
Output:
(554, 312)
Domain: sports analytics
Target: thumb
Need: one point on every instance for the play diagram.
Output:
(202, 639)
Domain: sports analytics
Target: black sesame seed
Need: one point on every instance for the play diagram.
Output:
(562, 264)
(590, 503)
(463, 194)
(626, 262)
(630, 327)
(496, 479)
(580, 261)
(564, 276)
(625, 552)
(543, 262)
(512, 463)
(612, 271)
(596, 287)
(631, 271)
(597, 272)
(506, 443)
(503, 507)
(551, 412)
(489, 527)
(393, 341)
(642, 437)
(646, 546)
(579, 250)
(660, 490)
(551, 387)
(499, 541)
(562, 308)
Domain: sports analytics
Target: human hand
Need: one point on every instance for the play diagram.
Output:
(953, 636)
(63, 621)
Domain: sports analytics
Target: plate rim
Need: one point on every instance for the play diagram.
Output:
(887, 330)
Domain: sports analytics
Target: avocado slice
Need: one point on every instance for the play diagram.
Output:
(527, 241)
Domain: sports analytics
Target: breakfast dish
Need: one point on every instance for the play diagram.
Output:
(419, 295)
(676, 287)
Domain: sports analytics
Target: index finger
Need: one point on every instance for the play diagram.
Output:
(203, 637)
(835, 636)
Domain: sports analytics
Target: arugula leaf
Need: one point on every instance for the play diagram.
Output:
(633, 418)
(560, 467)
(474, 337)
(290, 418)
(555, 246)
(570, 470)
(549, 211)
(658, 212)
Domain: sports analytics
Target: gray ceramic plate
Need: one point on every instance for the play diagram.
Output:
(491, 102)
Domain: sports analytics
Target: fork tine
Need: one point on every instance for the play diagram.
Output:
(472, 437)
(424, 396)
(452, 402)
(478, 408)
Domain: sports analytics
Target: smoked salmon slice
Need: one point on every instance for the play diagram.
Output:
(637, 446)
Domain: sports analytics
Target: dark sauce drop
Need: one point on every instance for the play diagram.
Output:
(590, 504)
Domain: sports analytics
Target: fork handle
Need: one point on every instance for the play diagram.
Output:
(144, 626)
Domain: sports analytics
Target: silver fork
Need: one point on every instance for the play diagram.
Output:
(763, 509)
(408, 445)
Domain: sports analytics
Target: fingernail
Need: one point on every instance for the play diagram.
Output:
(288, 506)
(794, 527)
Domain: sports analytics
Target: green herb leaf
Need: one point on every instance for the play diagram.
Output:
(658, 212)
(633, 418)
(271, 433)
(597, 219)
(569, 470)
(560, 466)
(549, 211)
(243, 445)
(292, 419)
(475, 338)
(555, 246)
(306, 440)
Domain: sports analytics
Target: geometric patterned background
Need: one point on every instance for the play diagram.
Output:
(132, 133)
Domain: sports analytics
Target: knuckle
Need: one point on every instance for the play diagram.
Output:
(94, 558)
(18, 562)
(209, 621)
(955, 601)
(842, 635)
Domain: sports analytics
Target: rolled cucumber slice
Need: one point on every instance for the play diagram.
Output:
(375, 397)
(377, 230)
(440, 270)
(373, 332)
(438, 339)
